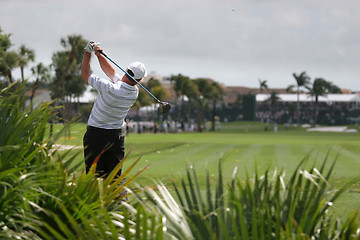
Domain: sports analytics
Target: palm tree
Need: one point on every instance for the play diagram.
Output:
(319, 88)
(215, 94)
(180, 82)
(302, 80)
(204, 88)
(192, 93)
(8, 59)
(42, 75)
(209, 91)
(26, 55)
(273, 99)
(263, 85)
(67, 65)
(332, 88)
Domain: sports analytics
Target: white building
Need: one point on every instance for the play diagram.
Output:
(329, 98)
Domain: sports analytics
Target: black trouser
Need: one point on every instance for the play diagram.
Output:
(95, 141)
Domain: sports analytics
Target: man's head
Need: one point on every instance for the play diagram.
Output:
(137, 70)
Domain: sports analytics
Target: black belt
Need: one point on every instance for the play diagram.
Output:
(104, 131)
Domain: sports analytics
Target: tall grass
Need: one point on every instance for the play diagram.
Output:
(259, 207)
(42, 198)
(21, 149)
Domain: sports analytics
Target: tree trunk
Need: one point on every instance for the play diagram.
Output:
(189, 114)
(33, 89)
(182, 108)
(22, 74)
(52, 119)
(9, 74)
(213, 116)
(138, 120)
(199, 119)
(312, 112)
(298, 108)
(316, 109)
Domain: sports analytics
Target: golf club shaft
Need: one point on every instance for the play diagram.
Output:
(129, 76)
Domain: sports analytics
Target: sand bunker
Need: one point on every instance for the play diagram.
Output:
(332, 129)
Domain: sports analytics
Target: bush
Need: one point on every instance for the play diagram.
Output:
(40, 198)
(264, 207)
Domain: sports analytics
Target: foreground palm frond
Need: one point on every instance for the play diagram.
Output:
(263, 207)
(175, 221)
(41, 198)
(21, 138)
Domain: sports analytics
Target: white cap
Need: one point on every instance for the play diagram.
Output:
(138, 69)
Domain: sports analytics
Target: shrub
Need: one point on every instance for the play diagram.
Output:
(263, 207)
(41, 198)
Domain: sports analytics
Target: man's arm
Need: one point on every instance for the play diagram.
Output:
(85, 67)
(105, 64)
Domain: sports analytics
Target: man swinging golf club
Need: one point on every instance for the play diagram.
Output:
(111, 106)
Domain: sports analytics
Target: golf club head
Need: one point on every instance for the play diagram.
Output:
(164, 107)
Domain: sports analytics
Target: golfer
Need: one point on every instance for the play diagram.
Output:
(114, 99)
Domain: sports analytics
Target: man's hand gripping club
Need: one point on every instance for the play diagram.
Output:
(90, 46)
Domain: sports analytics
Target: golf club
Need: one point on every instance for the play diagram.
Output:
(164, 106)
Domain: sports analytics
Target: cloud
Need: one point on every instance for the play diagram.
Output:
(267, 39)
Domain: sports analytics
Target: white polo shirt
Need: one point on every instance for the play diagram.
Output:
(113, 102)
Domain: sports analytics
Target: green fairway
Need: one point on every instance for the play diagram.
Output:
(240, 145)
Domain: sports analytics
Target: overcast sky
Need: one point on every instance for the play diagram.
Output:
(234, 42)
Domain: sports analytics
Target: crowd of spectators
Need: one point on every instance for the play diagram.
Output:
(324, 113)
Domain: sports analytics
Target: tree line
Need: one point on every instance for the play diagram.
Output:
(319, 87)
(63, 79)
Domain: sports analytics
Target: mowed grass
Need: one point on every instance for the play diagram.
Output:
(241, 146)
